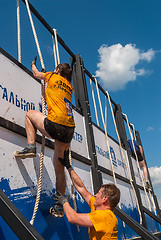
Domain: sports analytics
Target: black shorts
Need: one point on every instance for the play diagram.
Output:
(59, 132)
(140, 158)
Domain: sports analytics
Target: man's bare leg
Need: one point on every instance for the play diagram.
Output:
(59, 168)
(34, 120)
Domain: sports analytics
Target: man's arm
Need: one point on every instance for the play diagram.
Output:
(78, 184)
(73, 216)
(76, 218)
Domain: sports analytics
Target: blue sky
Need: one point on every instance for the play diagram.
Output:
(119, 40)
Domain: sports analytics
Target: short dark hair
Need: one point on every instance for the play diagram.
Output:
(65, 71)
(113, 194)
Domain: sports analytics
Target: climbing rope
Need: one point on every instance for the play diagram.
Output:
(106, 135)
(43, 110)
(105, 110)
(57, 61)
(151, 198)
(104, 123)
(95, 107)
(123, 156)
(55, 48)
(107, 140)
(137, 161)
(152, 201)
(133, 130)
(18, 31)
(72, 188)
(35, 35)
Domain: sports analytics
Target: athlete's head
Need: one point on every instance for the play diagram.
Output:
(65, 71)
(112, 193)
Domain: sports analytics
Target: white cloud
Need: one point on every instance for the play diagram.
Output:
(117, 65)
(155, 173)
(147, 55)
(150, 129)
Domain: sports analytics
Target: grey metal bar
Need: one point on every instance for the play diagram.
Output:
(139, 229)
(152, 215)
(158, 234)
(15, 219)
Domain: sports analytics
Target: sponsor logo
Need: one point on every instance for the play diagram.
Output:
(69, 107)
(19, 102)
(105, 154)
(78, 137)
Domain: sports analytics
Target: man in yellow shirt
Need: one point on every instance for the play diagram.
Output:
(101, 220)
(58, 125)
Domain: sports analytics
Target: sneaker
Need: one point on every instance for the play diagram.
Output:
(28, 152)
(148, 186)
(56, 211)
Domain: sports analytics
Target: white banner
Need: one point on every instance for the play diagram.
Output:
(19, 92)
(103, 153)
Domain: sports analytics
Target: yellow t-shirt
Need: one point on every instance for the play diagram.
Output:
(58, 97)
(104, 222)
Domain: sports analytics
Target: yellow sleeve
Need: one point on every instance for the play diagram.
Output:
(47, 76)
(98, 220)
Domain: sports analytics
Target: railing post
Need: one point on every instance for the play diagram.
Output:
(82, 103)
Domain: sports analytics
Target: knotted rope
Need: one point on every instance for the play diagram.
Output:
(43, 110)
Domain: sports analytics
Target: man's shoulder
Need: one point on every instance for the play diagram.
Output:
(111, 213)
(92, 199)
(91, 202)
